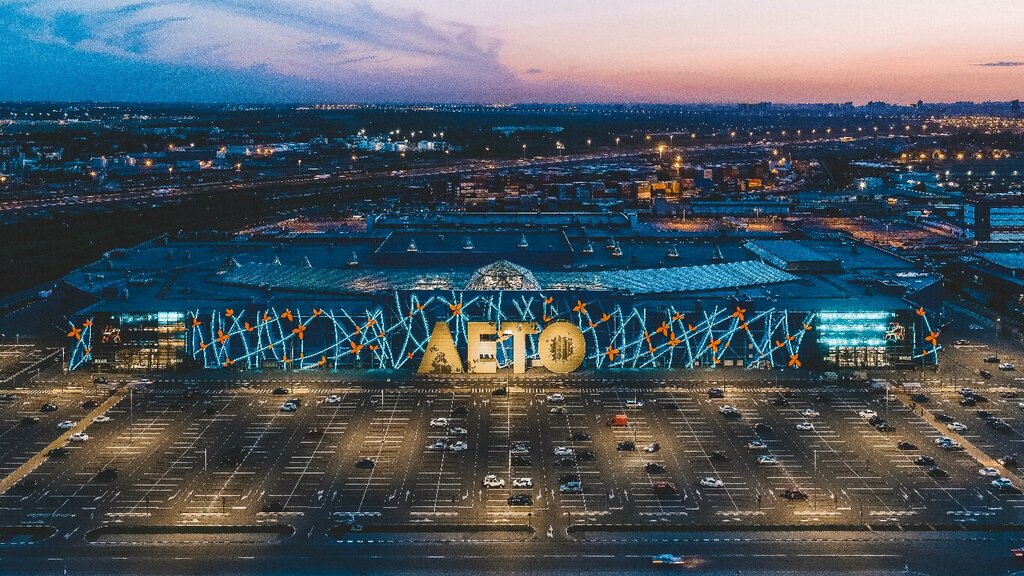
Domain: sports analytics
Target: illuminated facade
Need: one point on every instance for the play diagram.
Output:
(395, 331)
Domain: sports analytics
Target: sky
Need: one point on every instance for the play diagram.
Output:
(497, 51)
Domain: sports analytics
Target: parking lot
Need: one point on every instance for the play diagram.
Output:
(225, 452)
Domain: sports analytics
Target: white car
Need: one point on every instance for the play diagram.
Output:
(492, 481)
(79, 437)
(439, 422)
(726, 408)
(289, 407)
(101, 419)
(67, 425)
(710, 482)
(1020, 404)
(867, 414)
(333, 399)
(766, 460)
(1007, 366)
(634, 404)
(805, 426)
(757, 445)
(522, 482)
(956, 427)
(943, 440)
(457, 431)
(562, 451)
(1002, 483)
(458, 447)
(555, 398)
(988, 472)
(809, 413)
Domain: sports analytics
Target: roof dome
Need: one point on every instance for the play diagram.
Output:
(502, 275)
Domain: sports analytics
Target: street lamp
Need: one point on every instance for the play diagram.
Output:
(524, 151)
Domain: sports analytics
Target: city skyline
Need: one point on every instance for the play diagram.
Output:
(459, 52)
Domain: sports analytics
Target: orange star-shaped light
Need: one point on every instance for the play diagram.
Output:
(229, 312)
(222, 337)
(75, 333)
(549, 299)
(87, 323)
(356, 347)
(808, 327)
(678, 316)
(299, 330)
(932, 337)
(266, 317)
(714, 345)
(547, 318)
(359, 329)
(651, 349)
(195, 322)
(691, 327)
(203, 345)
(228, 362)
(580, 307)
(611, 352)
(920, 311)
(373, 347)
(647, 337)
(456, 308)
(409, 354)
(790, 338)
(739, 313)
(605, 317)
(323, 360)
(673, 341)
(88, 351)
(286, 359)
(287, 315)
(371, 322)
(794, 360)
(779, 344)
(317, 312)
(745, 327)
(663, 329)
(248, 328)
(592, 324)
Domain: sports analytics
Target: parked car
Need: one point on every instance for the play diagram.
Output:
(1007, 366)
(793, 494)
(492, 481)
(805, 426)
(904, 445)
(107, 474)
(626, 446)
(661, 487)
(709, 482)
(924, 460)
(652, 447)
(716, 393)
(520, 500)
(365, 463)
(522, 482)
(79, 437)
(654, 467)
(767, 459)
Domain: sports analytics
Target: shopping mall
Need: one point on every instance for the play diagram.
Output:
(506, 297)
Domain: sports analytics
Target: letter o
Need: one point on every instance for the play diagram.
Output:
(562, 347)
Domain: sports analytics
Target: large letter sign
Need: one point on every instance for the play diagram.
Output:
(561, 348)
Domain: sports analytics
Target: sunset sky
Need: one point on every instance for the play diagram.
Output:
(512, 51)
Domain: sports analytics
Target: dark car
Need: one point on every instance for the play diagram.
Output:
(884, 426)
(26, 484)
(8, 397)
(999, 425)
(28, 421)
(567, 461)
(968, 401)
(48, 407)
(718, 456)
(985, 374)
(716, 393)
(992, 359)
(579, 436)
(663, 487)
(212, 410)
(280, 391)
(904, 445)
(499, 392)
(924, 460)
(272, 506)
(521, 461)
(107, 474)
(365, 463)
(569, 477)
(984, 414)
(793, 494)
(586, 455)
(59, 452)
(920, 398)
(654, 468)
(762, 428)
(90, 404)
(1010, 394)
(936, 472)
(979, 397)
(520, 500)
(943, 417)
(99, 380)
(315, 432)
(1009, 460)
(780, 401)
(626, 446)
(668, 405)
(460, 411)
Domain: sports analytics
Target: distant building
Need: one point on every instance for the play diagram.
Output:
(995, 218)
